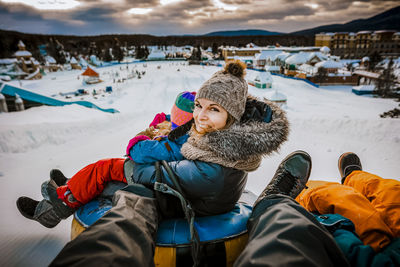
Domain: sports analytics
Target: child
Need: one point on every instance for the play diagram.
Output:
(90, 181)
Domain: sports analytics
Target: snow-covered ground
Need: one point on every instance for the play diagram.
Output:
(324, 121)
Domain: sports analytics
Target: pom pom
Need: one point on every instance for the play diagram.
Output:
(236, 68)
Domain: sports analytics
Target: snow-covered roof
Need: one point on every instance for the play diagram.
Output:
(83, 62)
(267, 55)
(5, 78)
(242, 58)
(34, 61)
(367, 74)
(23, 53)
(261, 76)
(7, 61)
(325, 50)
(304, 57)
(329, 64)
(308, 68)
(20, 43)
(156, 55)
(365, 87)
(282, 56)
(50, 59)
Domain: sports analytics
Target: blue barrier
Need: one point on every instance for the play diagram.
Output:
(34, 97)
(288, 77)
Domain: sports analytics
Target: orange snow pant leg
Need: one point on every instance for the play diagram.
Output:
(328, 197)
(384, 195)
(90, 181)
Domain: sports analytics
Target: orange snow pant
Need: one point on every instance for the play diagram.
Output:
(370, 202)
(90, 181)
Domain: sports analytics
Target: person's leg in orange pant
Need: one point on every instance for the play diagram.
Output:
(384, 195)
(327, 197)
(90, 181)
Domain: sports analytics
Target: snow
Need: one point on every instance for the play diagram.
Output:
(325, 122)
(73, 61)
(50, 59)
(23, 53)
(364, 87)
(7, 61)
(325, 50)
(329, 64)
(156, 55)
(21, 44)
(304, 57)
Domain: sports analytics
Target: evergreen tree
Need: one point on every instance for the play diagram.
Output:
(196, 53)
(374, 59)
(118, 53)
(214, 48)
(386, 81)
(107, 55)
(140, 52)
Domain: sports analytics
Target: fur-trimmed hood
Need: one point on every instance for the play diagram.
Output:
(242, 145)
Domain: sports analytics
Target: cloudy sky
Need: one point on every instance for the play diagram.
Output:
(176, 17)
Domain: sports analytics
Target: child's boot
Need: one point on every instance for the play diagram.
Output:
(42, 212)
(58, 177)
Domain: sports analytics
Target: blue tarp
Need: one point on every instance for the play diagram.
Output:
(34, 97)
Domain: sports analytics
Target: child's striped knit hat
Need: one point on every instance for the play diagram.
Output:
(182, 111)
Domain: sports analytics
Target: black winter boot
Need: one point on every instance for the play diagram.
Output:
(58, 177)
(49, 192)
(42, 212)
(291, 176)
(347, 163)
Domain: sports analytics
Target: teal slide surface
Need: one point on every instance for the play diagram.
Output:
(11, 90)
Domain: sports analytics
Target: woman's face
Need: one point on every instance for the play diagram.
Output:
(208, 116)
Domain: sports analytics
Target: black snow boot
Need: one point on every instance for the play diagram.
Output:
(49, 192)
(291, 176)
(347, 163)
(58, 177)
(42, 212)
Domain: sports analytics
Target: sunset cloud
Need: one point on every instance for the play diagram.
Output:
(169, 17)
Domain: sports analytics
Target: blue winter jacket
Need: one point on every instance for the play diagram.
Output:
(356, 252)
(210, 187)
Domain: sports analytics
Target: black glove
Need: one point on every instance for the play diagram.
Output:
(257, 111)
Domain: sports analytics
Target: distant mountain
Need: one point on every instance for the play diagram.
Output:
(242, 33)
(388, 20)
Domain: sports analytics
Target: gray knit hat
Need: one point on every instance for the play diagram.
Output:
(228, 88)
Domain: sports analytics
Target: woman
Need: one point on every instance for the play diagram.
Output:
(212, 154)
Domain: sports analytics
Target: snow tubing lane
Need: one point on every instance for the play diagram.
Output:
(223, 236)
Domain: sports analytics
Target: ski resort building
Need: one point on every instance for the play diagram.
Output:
(28, 64)
(261, 80)
(357, 45)
(74, 64)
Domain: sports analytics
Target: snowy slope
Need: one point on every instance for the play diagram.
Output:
(324, 121)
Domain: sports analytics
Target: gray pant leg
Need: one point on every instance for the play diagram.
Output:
(282, 233)
(123, 237)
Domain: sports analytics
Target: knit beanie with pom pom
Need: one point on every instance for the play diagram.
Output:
(228, 88)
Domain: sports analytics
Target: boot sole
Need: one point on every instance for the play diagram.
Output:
(23, 213)
(340, 161)
(300, 152)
